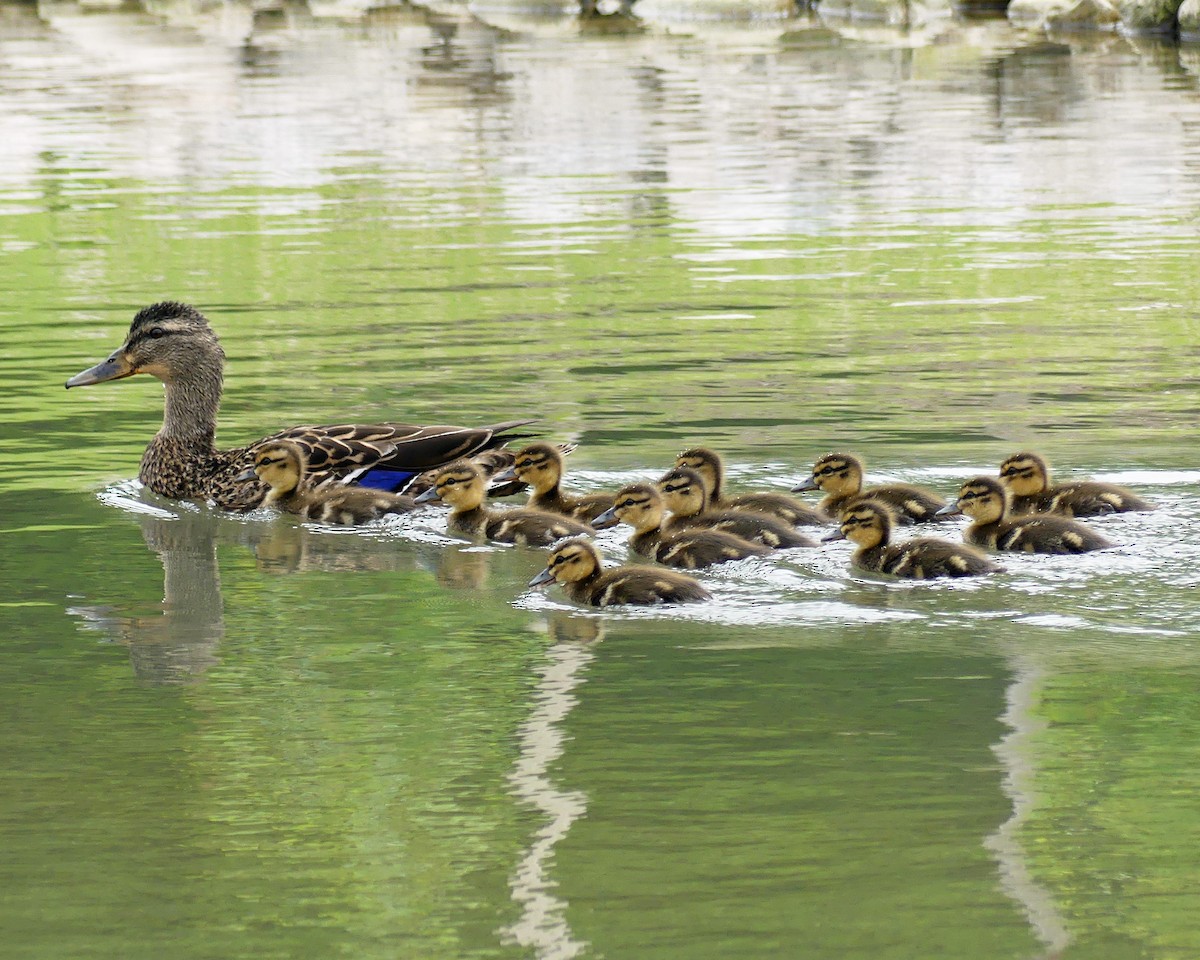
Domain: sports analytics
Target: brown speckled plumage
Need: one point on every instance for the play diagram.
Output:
(575, 565)
(174, 342)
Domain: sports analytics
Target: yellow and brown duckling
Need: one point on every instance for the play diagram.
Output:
(541, 466)
(575, 565)
(711, 468)
(463, 486)
(985, 500)
(868, 525)
(174, 343)
(282, 466)
(1027, 476)
(840, 477)
(686, 496)
(641, 506)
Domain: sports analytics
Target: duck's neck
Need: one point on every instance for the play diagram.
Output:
(192, 400)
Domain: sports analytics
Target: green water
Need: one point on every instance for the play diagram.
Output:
(245, 737)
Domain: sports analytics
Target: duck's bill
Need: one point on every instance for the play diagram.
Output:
(505, 475)
(246, 475)
(116, 367)
(809, 484)
(544, 577)
(949, 510)
(429, 496)
(607, 517)
(831, 537)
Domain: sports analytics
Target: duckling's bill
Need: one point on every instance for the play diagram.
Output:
(546, 576)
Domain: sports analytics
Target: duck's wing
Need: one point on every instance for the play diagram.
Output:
(387, 456)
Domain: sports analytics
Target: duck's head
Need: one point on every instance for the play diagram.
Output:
(279, 464)
(639, 505)
(1025, 474)
(705, 462)
(540, 465)
(460, 484)
(983, 499)
(866, 523)
(837, 474)
(683, 491)
(569, 562)
(170, 341)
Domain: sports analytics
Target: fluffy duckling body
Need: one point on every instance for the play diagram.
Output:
(1027, 476)
(641, 506)
(711, 468)
(463, 486)
(282, 466)
(686, 497)
(541, 466)
(986, 501)
(840, 477)
(575, 565)
(868, 525)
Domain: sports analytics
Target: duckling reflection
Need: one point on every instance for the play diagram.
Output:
(543, 925)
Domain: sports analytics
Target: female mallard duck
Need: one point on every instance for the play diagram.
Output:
(541, 466)
(986, 501)
(868, 524)
(641, 506)
(1027, 477)
(463, 486)
(840, 477)
(686, 497)
(280, 465)
(711, 468)
(575, 565)
(174, 342)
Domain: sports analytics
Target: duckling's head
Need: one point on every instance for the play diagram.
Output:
(460, 484)
(171, 341)
(280, 464)
(983, 499)
(639, 505)
(684, 492)
(540, 465)
(1025, 474)
(837, 474)
(705, 462)
(866, 523)
(570, 562)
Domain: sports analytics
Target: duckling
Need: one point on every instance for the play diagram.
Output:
(986, 501)
(868, 524)
(463, 486)
(575, 565)
(541, 466)
(840, 476)
(711, 468)
(641, 506)
(1027, 477)
(687, 498)
(282, 466)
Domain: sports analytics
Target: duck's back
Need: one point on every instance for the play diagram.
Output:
(637, 585)
(756, 527)
(584, 507)
(1092, 498)
(527, 527)
(1039, 533)
(694, 549)
(927, 558)
(779, 505)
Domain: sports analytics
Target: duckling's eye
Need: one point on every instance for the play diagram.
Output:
(448, 482)
(157, 333)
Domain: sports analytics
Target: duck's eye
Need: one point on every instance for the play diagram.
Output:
(157, 333)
